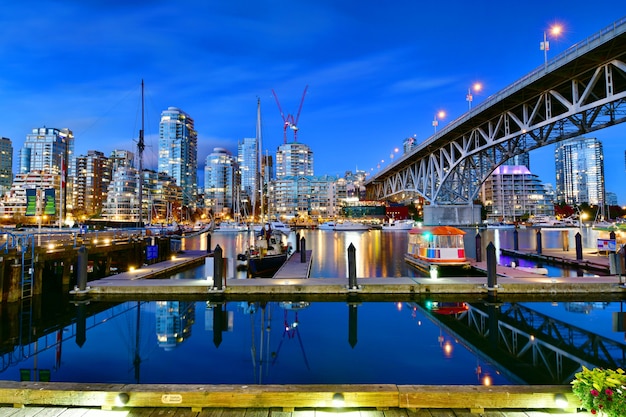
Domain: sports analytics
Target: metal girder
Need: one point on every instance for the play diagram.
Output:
(450, 167)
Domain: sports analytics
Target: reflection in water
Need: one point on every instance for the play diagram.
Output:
(427, 341)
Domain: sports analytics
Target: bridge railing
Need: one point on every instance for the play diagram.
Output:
(611, 31)
(616, 28)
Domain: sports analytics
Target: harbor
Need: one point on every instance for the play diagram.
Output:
(299, 303)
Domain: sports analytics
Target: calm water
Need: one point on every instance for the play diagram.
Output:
(401, 342)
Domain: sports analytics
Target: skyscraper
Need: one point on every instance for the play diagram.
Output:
(221, 183)
(248, 160)
(91, 184)
(579, 165)
(293, 159)
(6, 164)
(178, 151)
(45, 149)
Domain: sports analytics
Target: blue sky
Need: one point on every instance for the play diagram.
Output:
(377, 72)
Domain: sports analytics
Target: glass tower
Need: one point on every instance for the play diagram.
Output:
(579, 165)
(45, 148)
(220, 183)
(248, 160)
(178, 151)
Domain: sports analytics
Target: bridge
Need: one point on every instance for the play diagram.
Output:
(579, 91)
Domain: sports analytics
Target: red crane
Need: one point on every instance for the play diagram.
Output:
(289, 121)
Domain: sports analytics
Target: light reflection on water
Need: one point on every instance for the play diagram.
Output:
(270, 342)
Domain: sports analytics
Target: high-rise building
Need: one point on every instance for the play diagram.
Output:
(579, 165)
(512, 192)
(178, 151)
(6, 165)
(93, 176)
(45, 149)
(522, 159)
(122, 202)
(294, 159)
(221, 183)
(248, 161)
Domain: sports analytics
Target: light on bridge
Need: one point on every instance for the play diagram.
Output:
(555, 31)
(438, 116)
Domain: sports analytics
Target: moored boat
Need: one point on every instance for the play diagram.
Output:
(406, 224)
(267, 254)
(326, 226)
(276, 225)
(437, 247)
(351, 226)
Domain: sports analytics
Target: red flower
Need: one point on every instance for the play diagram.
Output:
(608, 392)
(595, 392)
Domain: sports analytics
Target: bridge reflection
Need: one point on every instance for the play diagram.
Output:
(530, 346)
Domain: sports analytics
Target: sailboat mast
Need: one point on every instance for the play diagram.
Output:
(140, 147)
(259, 149)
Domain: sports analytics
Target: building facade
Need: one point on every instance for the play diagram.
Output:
(221, 183)
(47, 149)
(91, 183)
(579, 165)
(178, 151)
(248, 161)
(6, 165)
(512, 192)
(294, 159)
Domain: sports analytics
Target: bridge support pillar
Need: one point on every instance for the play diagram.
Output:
(452, 215)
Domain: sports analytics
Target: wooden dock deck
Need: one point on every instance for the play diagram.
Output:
(45, 399)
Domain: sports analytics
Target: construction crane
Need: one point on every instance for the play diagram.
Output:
(289, 122)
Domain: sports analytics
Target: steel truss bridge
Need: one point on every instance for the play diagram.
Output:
(579, 91)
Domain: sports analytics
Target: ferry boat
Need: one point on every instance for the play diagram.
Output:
(437, 247)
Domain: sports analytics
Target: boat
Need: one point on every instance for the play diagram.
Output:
(276, 226)
(500, 225)
(438, 247)
(326, 226)
(350, 226)
(267, 254)
(230, 226)
(406, 224)
(551, 221)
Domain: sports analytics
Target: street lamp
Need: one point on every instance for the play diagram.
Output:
(438, 116)
(545, 45)
(469, 97)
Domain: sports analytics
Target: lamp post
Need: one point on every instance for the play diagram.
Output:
(545, 45)
(469, 97)
(439, 115)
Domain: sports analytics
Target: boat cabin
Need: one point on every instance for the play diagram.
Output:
(437, 245)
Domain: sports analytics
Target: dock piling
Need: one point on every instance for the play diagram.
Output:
(538, 236)
(218, 268)
(515, 239)
(579, 246)
(82, 268)
(302, 250)
(479, 248)
(492, 276)
(352, 267)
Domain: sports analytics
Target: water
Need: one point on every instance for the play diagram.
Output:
(415, 341)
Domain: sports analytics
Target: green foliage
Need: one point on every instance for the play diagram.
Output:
(601, 391)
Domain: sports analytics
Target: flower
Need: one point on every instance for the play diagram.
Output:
(601, 390)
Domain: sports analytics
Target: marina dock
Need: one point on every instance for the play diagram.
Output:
(293, 279)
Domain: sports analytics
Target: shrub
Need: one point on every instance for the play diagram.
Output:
(601, 391)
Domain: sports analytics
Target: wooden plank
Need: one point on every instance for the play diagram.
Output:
(140, 412)
(423, 412)
(443, 412)
(482, 397)
(210, 412)
(27, 411)
(8, 411)
(257, 412)
(371, 413)
(464, 412)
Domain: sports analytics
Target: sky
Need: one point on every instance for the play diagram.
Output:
(375, 72)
